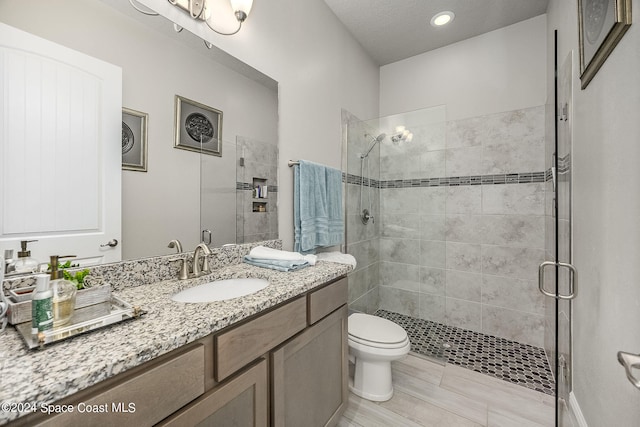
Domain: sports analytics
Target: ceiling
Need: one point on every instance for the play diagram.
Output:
(392, 30)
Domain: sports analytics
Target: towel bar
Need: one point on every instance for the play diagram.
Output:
(293, 163)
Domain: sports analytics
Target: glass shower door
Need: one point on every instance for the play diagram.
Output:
(218, 196)
(565, 276)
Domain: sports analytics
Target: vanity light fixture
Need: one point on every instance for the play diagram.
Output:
(201, 10)
(442, 18)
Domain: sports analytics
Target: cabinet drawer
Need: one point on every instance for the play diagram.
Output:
(327, 299)
(155, 394)
(240, 401)
(243, 344)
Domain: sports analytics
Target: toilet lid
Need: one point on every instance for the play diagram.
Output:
(375, 329)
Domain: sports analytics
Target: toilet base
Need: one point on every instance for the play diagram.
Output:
(376, 384)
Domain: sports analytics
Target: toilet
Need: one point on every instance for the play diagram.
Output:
(374, 343)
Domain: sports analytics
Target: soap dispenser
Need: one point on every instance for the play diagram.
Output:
(24, 263)
(64, 293)
(41, 307)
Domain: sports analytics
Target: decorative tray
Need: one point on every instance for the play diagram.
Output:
(84, 319)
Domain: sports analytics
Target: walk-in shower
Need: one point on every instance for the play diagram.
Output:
(458, 234)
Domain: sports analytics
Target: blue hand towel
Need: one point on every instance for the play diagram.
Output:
(318, 219)
(280, 265)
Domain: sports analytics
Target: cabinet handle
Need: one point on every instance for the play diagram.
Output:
(207, 233)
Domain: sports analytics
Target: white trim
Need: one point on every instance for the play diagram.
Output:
(575, 408)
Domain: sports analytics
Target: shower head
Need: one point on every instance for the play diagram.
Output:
(376, 140)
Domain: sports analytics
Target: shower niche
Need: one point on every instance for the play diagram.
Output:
(260, 194)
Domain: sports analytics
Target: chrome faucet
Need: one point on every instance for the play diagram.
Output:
(183, 273)
(175, 244)
(197, 254)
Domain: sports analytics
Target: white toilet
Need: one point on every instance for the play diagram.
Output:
(374, 343)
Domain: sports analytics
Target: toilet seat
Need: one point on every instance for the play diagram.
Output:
(379, 345)
(376, 332)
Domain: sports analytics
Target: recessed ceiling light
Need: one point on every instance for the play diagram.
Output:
(442, 18)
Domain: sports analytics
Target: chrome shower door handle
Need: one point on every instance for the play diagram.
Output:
(630, 361)
(573, 274)
(207, 233)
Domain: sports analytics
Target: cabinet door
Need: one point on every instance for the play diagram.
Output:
(240, 401)
(309, 375)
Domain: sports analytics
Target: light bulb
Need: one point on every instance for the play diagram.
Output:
(242, 6)
(442, 18)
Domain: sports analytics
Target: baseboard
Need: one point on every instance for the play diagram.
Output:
(576, 411)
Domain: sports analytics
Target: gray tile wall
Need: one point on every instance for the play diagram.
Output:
(467, 255)
(260, 161)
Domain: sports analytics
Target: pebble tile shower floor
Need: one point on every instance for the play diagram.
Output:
(511, 361)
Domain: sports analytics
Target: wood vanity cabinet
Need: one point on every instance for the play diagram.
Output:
(309, 375)
(286, 366)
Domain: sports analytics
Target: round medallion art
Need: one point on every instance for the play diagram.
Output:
(199, 128)
(127, 138)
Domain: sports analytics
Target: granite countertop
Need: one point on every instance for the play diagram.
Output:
(64, 368)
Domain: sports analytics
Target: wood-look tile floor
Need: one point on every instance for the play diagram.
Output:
(429, 394)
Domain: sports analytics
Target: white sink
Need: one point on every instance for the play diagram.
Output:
(220, 290)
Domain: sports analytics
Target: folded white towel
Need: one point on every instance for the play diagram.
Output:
(338, 257)
(274, 254)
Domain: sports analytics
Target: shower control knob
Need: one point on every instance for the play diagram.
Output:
(366, 216)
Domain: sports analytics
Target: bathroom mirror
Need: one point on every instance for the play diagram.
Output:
(182, 192)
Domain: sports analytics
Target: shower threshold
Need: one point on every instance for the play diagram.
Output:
(507, 360)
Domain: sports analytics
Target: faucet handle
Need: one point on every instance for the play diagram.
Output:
(183, 274)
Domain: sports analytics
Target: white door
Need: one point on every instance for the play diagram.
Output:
(60, 156)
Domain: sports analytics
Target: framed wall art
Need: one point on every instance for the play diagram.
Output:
(197, 127)
(601, 24)
(134, 140)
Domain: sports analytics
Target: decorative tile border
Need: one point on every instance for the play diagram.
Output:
(453, 181)
(246, 186)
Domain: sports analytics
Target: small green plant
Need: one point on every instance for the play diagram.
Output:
(77, 277)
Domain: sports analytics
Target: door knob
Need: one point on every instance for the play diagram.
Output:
(111, 244)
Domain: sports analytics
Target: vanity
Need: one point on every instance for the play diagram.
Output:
(276, 357)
